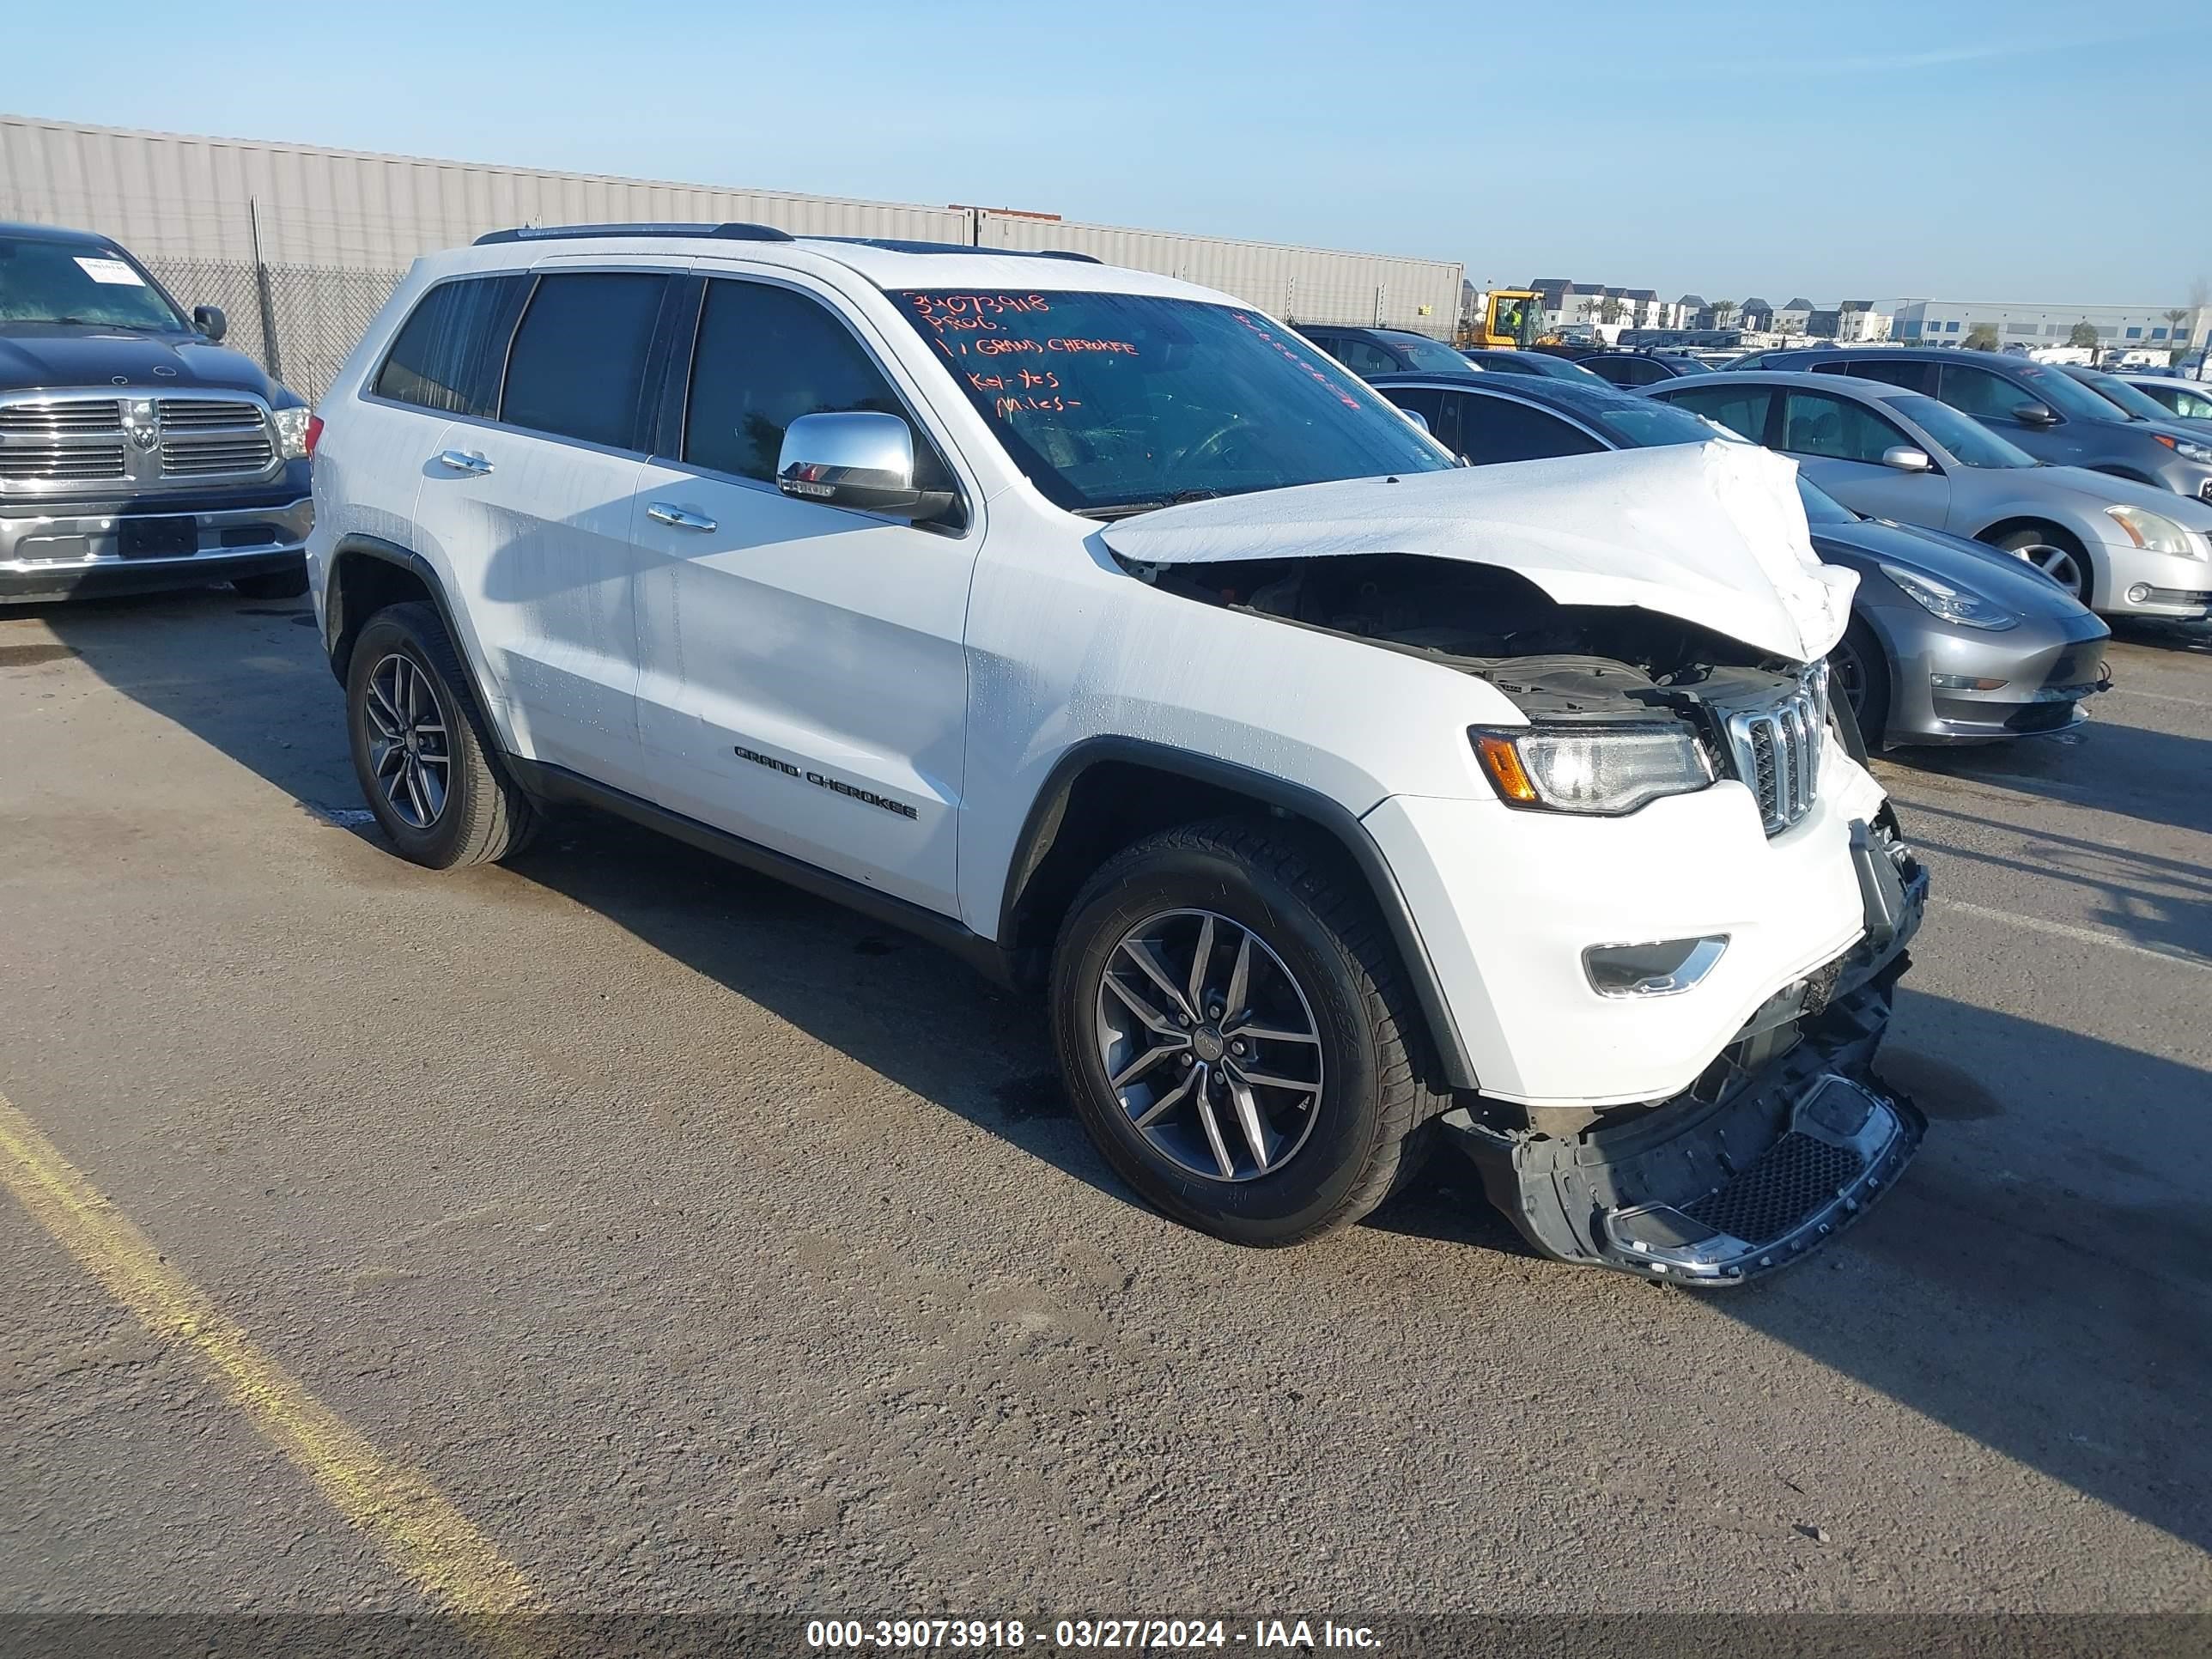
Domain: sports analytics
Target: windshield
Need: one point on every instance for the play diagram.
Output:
(1647, 425)
(1970, 443)
(1127, 401)
(1427, 354)
(2141, 404)
(1821, 507)
(2063, 393)
(49, 282)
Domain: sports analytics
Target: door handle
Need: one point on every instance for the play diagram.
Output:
(455, 460)
(679, 518)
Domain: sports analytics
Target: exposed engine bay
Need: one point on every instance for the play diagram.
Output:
(1555, 661)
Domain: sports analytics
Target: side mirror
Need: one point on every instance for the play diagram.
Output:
(2035, 415)
(210, 321)
(1905, 458)
(1414, 416)
(858, 459)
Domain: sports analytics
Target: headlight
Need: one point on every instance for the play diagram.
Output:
(2155, 534)
(1953, 604)
(2187, 448)
(291, 432)
(1606, 770)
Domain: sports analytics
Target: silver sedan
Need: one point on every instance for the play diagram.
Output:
(2122, 548)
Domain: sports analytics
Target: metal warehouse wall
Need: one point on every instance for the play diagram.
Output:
(167, 197)
(1299, 284)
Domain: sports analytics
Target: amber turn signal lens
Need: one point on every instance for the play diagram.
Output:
(1503, 761)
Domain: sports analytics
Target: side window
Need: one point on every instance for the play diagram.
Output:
(765, 356)
(1742, 410)
(1423, 402)
(1493, 429)
(1978, 392)
(578, 364)
(1614, 371)
(2186, 402)
(1362, 356)
(1919, 377)
(1814, 424)
(448, 351)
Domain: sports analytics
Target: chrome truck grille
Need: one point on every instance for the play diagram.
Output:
(50, 445)
(1778, 750)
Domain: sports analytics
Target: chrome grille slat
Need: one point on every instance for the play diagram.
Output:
(1777, 751)
(212, 452)
(193, 414)
(61, 418)
(32, 461)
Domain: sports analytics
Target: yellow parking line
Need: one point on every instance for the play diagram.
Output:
(425, 1536)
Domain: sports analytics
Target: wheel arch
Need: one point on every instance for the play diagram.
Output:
(367, 574)
(1107, 792)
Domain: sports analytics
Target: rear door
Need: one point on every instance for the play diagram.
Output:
(805, 673)
(531, 508)
(1838, 443)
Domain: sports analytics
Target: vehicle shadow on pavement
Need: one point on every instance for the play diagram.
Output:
(2041, 1280)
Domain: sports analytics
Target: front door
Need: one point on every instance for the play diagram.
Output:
(1838, 443)
(805, 682)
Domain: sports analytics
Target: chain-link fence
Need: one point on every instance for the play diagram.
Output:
(297, 321)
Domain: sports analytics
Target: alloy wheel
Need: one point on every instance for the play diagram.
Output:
(1209, 1044)
(2058, 564)
(409, 753)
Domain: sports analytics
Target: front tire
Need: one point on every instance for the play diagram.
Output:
(424, 756)
(1235, 1031)
(1859, 673)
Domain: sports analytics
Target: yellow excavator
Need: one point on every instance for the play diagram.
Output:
(1511, 317)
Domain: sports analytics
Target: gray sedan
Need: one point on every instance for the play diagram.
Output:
(1949, 642)
(2123, 548)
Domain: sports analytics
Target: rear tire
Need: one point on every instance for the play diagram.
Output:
(428, 765)
(1282, 1162)
(2057, 553)
(276, 585)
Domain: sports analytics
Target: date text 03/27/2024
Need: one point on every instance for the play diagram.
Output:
(1260, 1636)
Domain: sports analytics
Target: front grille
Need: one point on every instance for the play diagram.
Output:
(35, 462)
(196, 414)
(1778, 750)
(209, 453)
(56, 420)
(1787, 1183)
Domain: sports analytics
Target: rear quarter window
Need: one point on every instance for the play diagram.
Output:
(449, 352)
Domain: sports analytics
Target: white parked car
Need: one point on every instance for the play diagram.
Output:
(1097, 626)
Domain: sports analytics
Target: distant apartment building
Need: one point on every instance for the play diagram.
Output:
(2027, 326)
(1853, 322)
(1570, 306)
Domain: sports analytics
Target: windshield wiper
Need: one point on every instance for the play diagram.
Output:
(1129, 509)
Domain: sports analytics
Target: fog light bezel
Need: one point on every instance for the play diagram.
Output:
(1700, 954)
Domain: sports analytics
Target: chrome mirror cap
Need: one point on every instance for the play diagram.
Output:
(856, 458)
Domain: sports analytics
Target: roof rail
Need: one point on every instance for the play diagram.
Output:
(734, 232)
(903, 245)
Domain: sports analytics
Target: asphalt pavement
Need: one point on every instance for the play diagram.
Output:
(696, 1245)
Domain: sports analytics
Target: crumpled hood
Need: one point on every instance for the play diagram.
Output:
(42, 356)
(1712, 533)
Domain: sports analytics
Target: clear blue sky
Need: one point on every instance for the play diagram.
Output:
(2044, 150)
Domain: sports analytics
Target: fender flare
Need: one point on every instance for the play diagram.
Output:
(1042, 825)
(337, 625)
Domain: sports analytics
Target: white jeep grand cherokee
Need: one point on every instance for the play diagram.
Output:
(1099, 627)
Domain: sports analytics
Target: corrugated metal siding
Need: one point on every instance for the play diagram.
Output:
(167, 196)
(1299, 284)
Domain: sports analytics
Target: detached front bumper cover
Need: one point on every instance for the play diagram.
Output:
(1718, 1189)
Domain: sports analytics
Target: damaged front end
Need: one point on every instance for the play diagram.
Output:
(1788, 1137)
